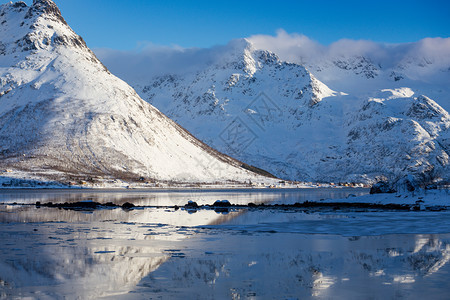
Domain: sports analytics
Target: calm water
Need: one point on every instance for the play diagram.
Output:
(178, 197)
(150, 253)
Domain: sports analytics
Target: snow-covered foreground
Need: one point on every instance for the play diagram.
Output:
(20, 179)
(247, 253)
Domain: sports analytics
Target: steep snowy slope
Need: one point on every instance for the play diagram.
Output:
(64, 115)
(279, 117)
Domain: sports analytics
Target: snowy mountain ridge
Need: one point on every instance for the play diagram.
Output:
(359, 67)
(361, 75)
(278, 116)
(244, 70)
(64, 116)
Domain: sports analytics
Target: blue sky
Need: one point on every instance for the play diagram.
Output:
(126, 24)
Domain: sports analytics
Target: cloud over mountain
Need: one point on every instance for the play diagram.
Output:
(152, 60)
(296, 47)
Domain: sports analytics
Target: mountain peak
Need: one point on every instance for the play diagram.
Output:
(243, 56)
(47, 7)
(241, 45)
(41, 27)
(246, 47)
(43, 3)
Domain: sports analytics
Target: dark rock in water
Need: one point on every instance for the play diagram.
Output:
(222, 206)
(73, 205)
(251, 204)
(85, 204)
(221, 210)
(38, 204)
(381, 187)
(191, 204)
(127, 205)
(222, 203)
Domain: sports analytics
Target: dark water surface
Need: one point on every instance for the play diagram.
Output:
(154, 253)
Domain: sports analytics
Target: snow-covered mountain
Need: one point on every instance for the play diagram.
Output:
(278, 116)
(64, 116)
(359, 67)
(362, 75)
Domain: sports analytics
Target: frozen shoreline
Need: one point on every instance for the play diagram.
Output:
(14, 179)
(422, 197)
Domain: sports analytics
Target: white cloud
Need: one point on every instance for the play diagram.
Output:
(299, 48)
(148, 60)
(290, 47)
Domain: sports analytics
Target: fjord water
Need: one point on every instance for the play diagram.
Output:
(178, 197)
(145, 253)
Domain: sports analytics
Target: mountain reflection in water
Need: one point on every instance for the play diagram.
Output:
(298, 266)
(167, 253)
